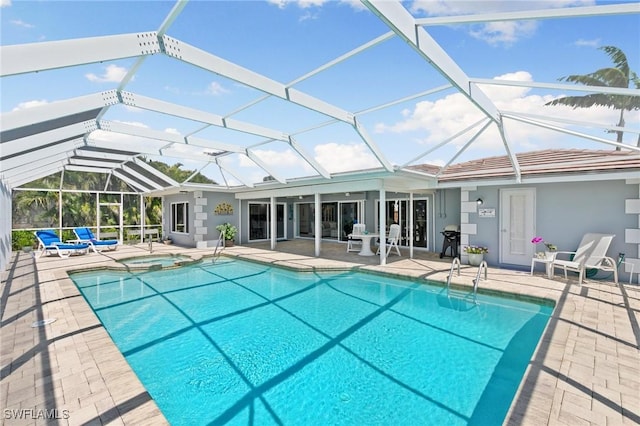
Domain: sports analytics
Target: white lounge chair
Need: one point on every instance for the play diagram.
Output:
(392, 239)
(358, 229)
(591, 254)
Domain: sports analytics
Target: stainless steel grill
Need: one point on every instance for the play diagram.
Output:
(451, 240)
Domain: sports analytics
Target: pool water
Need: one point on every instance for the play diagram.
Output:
(164, 260)
(242, 343)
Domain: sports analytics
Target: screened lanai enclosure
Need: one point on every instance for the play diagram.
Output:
(138, 102)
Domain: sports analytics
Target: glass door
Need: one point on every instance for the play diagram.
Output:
(280, 209)
(420, 230)
(259, 221)
(305, 219)
(397, 211)
(349, 215)
(330, 221)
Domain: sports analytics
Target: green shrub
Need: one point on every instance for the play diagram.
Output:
(21, 239)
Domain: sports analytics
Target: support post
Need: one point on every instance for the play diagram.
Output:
(410, 235)
(383, 226)
(272, 222)
(318, 223)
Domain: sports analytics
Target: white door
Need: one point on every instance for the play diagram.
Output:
(517, 225)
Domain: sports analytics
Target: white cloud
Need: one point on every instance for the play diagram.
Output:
(306, 4)
(286, 158)
(30, 104)
(279, 3)
(308, 15)
(504, 32)
(588, 43)
(21, 23)
(498, 32)
(435, 121)
(5, 3)
(215, 89)
(172, 131)
(112, 74)
(336, 157)
(303, 4)
(133, 123)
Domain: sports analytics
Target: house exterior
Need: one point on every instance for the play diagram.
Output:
(560, 196)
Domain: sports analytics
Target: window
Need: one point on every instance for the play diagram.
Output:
(180, 217)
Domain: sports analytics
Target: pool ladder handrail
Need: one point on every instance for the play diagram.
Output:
(476, 281)
(215, 251)
(456, 261)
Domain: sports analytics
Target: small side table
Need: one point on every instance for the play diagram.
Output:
(632, 272)
(547, 264)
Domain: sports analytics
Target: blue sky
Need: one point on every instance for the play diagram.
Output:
(284, 40)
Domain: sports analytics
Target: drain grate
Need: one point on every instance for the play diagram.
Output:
(43, 322)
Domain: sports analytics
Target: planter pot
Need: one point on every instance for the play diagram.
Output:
(549, 254)
(228, 243)
(167, 242)
(475, 259)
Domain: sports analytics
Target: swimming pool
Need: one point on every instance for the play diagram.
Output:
(238, 342)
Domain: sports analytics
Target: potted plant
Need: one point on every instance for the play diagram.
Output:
(549, 250)
(476, 254)
(167, 240)
(228, 233)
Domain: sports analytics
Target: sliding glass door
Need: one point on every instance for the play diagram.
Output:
(259, 221)
(337, 219)
(397, 211)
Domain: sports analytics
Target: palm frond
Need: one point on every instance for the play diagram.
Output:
(596, 99)
(619, 59)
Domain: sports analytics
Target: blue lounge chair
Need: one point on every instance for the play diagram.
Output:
(85, 235)
(50, 243)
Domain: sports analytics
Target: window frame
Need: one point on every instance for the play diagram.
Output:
(175, 226)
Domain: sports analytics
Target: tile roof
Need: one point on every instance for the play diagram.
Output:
(539, 163)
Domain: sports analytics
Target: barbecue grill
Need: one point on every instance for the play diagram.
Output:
(451, 240)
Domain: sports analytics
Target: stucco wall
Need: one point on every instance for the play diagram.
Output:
(202, 219)
(564, 213)
(446, 212)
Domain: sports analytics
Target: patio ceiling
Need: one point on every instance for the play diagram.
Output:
(73, 134)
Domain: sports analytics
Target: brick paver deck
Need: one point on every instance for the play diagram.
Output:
(586, 369)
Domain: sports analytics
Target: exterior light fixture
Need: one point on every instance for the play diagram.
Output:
(347, 193)
(479, 201)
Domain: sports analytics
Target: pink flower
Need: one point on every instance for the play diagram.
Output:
(537, 240)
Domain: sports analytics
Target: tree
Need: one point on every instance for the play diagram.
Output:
(619, 76)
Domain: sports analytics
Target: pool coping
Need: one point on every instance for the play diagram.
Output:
(584, 369)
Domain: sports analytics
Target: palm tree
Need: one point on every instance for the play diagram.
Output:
(619, 76)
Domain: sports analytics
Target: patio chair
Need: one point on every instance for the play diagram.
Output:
(591, 254)
(85, 235)
(358, 229)
(50, 243)
(392, 239)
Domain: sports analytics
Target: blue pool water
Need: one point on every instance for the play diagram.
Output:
(242, 343)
